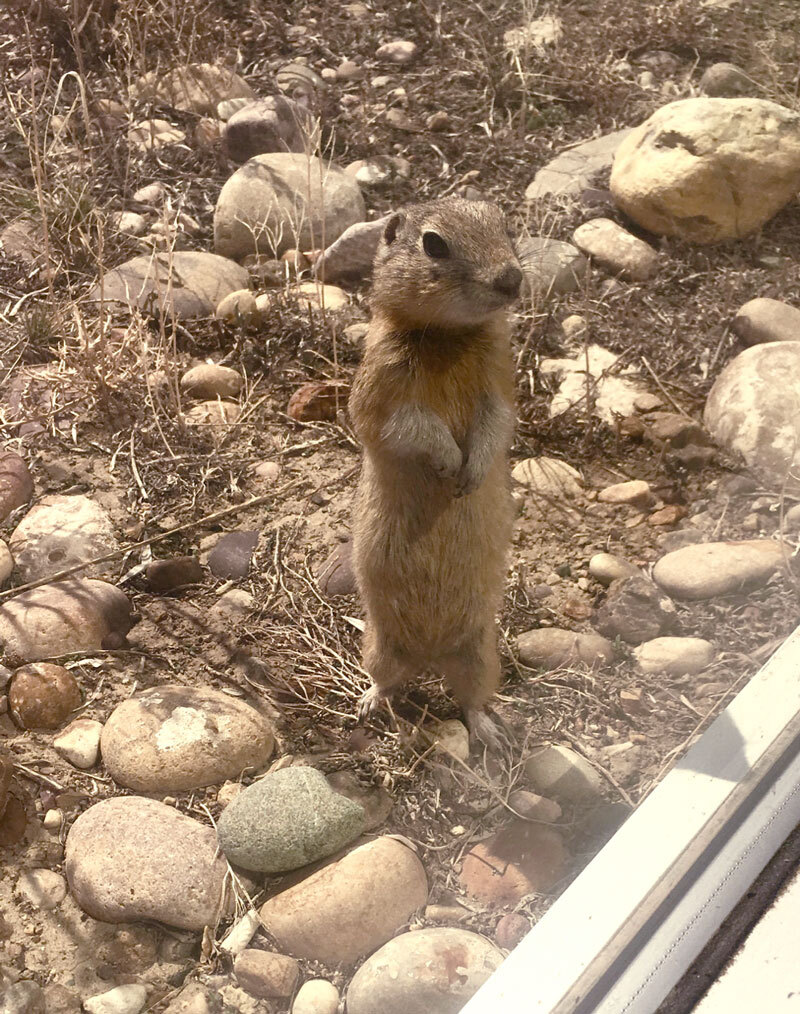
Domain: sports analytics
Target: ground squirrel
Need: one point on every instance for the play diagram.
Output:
(433, 405)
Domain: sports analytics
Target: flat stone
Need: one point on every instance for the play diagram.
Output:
(548, 476)
(351, 906)
(563, 773)
(709, 569)
(231, 556)
(317, 996)
(130, 858)
(189, 283)
(192, 88)
(521, 859)
(287, 819)
(551, 648)
(605, 568)
(430, 971)
(766, 320)
(614, 390)
(676, 656)
(274, 123)
(318, 400)
(634, 493)
(550, 267)
(266, 974)
(176, 738)
(751, 410)
(617, 250)
(575, 169)
(350, 256)
(335, 575)
(635, 610)
(127, 999)
(16, 483)
(42, 695)
(176, 572)
(60, 532)
(44, 889)
(79, 743)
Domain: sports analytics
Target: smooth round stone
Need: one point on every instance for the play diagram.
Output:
(521, 859)
(791, 519)
(351, 906)
(450, 738)
(16, 483)
(709, 569)
(127, 999)
(266, 974)
(400, 51)
(634, 493)
(42, 695)
(766, 320)
(237, 308)
(42, 888)
(175, 738)
(551, 648)
(317, 996)
(726, 79)
(335, 576)
(558, 771)
(510, 930)
(617, 250)
(175, 572)
(605, 568)
(549, 476)
(430, 971)
(130, 858)
(6, 563)
(676, 656)
(209, 380)
(287, 819)
(79, 743)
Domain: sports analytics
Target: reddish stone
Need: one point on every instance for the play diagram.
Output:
(13, 822)
(668, 515)
(16, 484)
(318, 400)
(521, 859)
(510, 929)
(42, 695)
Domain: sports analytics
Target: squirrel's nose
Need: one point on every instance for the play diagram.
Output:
(509, 281)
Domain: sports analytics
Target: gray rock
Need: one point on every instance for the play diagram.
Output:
(766, 320)
(56, 619)
(210, 380)
(349, 907)
(705, 571)
(373, 799)
(548, 476)
(605, 568)
(239, 308)
(199, 281)
(317, 996)
(430, 971)
(271, 124)
(42, 888)
(193, 88)
(752, 410)
(671, 541)
(130, 858)
(616, 249)
(551, 648)
(127, 999)
(350, 257)
(61, 532)
(335, 575)
(231, 556)
(193, 999)
(23, 997)
(287, 819)
(575, 169)
(175, 738)
(266, 974)
(16, 483)
(726, 80)
(79, 743)
(635, 610)
(564, 774)
(281, 201)
(676, 656)
(550, 266)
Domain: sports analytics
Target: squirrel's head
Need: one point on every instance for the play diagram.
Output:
(446, 264)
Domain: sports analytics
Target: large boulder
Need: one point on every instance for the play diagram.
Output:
(189, 282)
(709, 169)
(281, 201)
(754, 408)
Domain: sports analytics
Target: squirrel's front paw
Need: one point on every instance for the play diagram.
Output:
(447, 463)
(469, 478)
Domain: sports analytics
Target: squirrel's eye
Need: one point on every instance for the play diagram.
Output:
(434, 245)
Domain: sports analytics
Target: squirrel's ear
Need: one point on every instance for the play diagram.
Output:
(391, 227)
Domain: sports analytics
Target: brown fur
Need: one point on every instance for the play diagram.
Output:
(433, 404)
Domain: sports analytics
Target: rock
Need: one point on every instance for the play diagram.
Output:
(624, 761)
(79, 743)
(177, 572)
(6, 563)
(510, 930)
(238, 308)
(317, 996)
(677, 540)
(60, 1000)
(60, 532)
(194, 88)
(42, 695)
(533, 806)
(450, 738)
(127, 999)
(350, 257)
(548, 476)
(648, 402)
(329, 297)
(287, 819)
(575, 169)
(283, 200)
(349, 71)
(552, 648)
(216, 416)
(176, 738)
(24, 997)
(152, 194)
(130, 858)
(298, 80)
(709, 569)
(42, 888)
(16, 483)
(6, 771)
(149, 135)
(676, 656)
(752, 410)
(521, 859)
(635, 610)
(634, 493)
(767, 320)
(674, 430)
(233, 605)
(726, 80)
(230, 558)
(57, 619)
(318, 400)
(439, 121)
(374, 800)
(539, 33)
(228, 107)
(560, 772)
(614, 390)
(265, 974)
(615, 249)
(199, 282)
(398, 52)
(53, 821)
(271, 124)
(130, 223)
(709, 169)
(23, 241)
(605, 568)
(668, 515)
(335, 576)
(574, 326)
(791, 519)
(192, 999)
(349, 907)
(550, 267)
(430, 971)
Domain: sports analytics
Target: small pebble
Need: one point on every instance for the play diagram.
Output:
(317, 996)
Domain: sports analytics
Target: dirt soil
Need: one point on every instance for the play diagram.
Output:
(109, 412)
